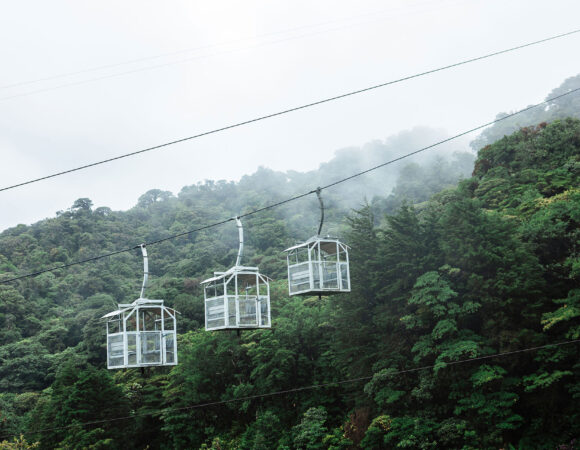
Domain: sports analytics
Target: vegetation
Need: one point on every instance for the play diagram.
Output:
(441, 272)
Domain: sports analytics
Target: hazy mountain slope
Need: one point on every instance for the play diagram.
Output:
(489, 266)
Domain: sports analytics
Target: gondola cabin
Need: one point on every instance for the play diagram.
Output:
(237, 299)
(318, 266)
(141, 334)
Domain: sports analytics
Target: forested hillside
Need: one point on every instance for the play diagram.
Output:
(442, 272)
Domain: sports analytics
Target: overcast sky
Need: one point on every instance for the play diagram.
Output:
(85, 81)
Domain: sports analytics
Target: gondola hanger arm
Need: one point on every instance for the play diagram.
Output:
(319, 195)
(145, 270)
(241, 239)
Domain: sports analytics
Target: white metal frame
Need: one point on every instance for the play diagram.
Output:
(237, 299)
(319, 266)
(142, 333)
(129, 335)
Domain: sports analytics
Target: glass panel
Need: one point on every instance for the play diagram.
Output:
(150, 319)
(315, 253)
(246, 281)
(232, 311)
(344, 276)
(265, 314)
(114, 326)
(150, 347)
(329, 257)
(299, 277)
(169, 348)
(298, 255)
(132, 349)
(168, 321)
(342, 253)
(230, 286)
(316, 275)
(130, 321)
(215, 289)
(329, 275)
(248, 314)
(214, 313)
(329, 249)
(250, 289)
(115, 350)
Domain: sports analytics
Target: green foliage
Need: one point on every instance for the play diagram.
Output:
(411, 432)
(568, 106)
(568, 312)
(375, 434)
(19, 443)
(310, 432)
(486, 374)
(440, 285)
(15, 411)
(262, 434)
(544, 380)
(25, 366)
(80, 395)
(381, 388)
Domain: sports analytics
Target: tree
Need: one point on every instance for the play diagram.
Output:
(558, 109)
(82, 205)
(79, 396)
(153, 196)
(310, 432)
(19, 443)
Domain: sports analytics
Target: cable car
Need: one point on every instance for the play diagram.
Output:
(318, 266)
(142, 333)
(238, 298)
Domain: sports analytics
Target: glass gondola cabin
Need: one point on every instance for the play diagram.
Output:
(318, 266)
(141, 334)
(237, 299)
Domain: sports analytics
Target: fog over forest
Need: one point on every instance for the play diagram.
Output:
(460, 328)
(435, 169)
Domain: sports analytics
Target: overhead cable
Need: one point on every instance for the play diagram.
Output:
(287, 111)
(296, 197)
(298, 389)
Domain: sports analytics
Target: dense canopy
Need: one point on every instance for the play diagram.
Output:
(442, 270)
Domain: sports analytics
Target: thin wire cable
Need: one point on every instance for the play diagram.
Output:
(171, 63)
(296, 197)
(107, 255)
(287, 111)
(294, 390)
(507, 116)
(372, 14)
(133, 247)
(161, 65)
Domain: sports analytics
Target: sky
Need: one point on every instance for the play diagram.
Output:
(86, 81)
